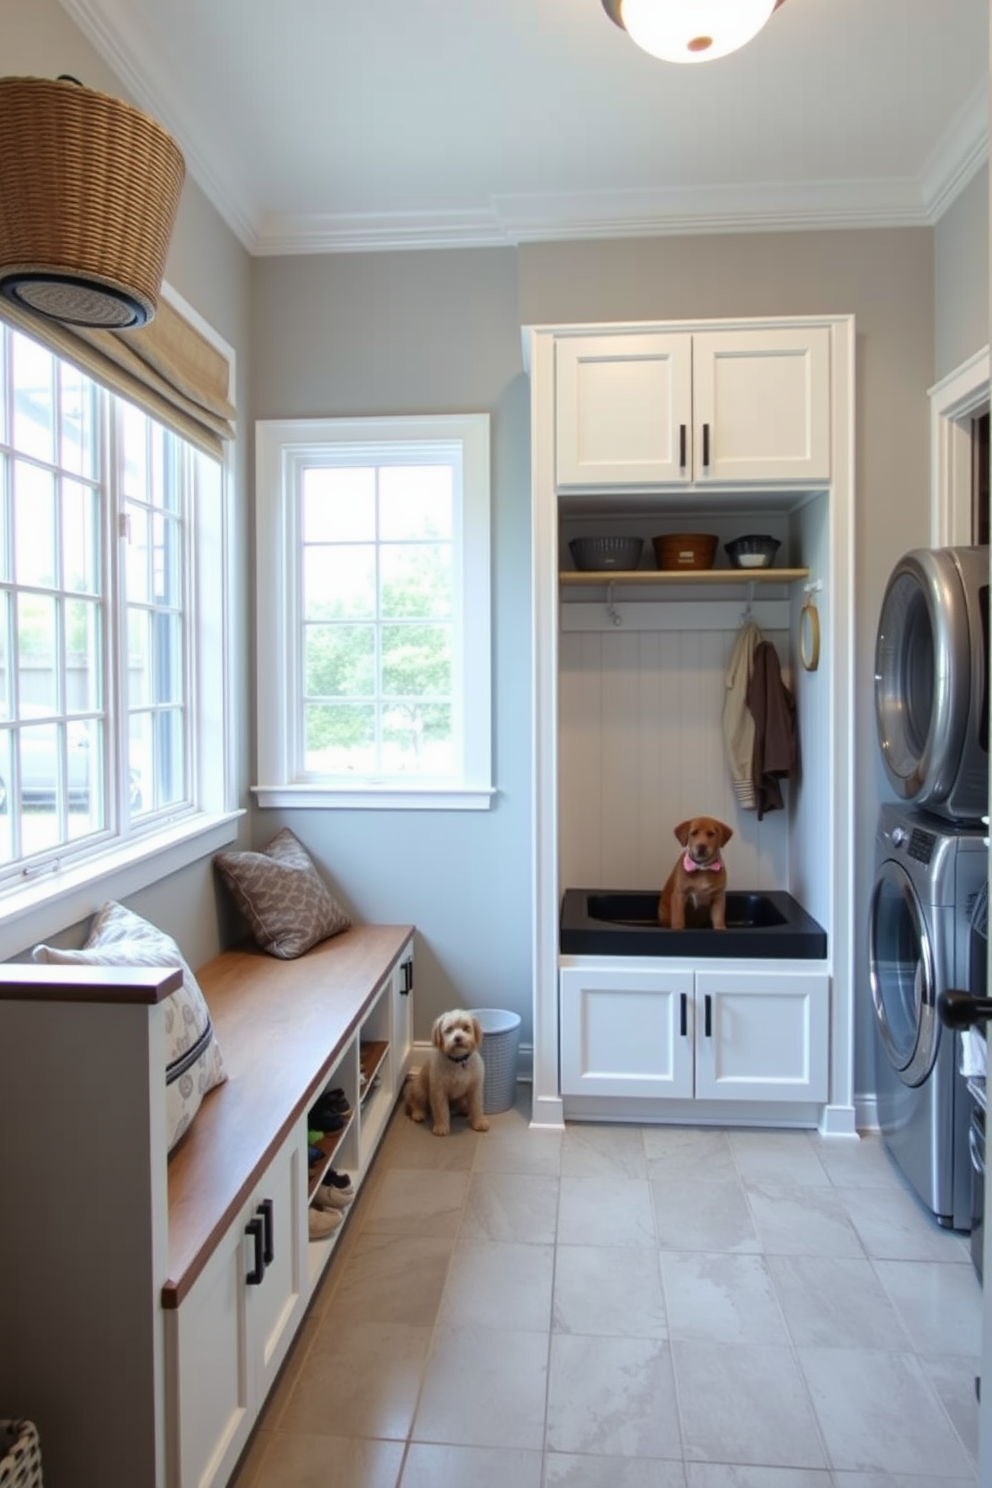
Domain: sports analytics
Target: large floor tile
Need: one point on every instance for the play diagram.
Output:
(499, 1284)
(878, 1411)
(424, 1203)
(613, 1291)
(858, 1162)
(802, 1221)
(894, 1226)
(700, 1153)
(723, 1298)
(703, 1216)
(940, 1305)
(484, 1388)
(605, 1211)
(294, 1461)
(516, 1149)
(836, 1302)
(721, 1475)
(392, 1278)
(953, 1381)
(778, 1157)
(745, 1404)
(592, 1152)
(361, 1380)
(613, 1397)
(511, 1206)
(432, 1466)
(412, 1144)
(564, 1470)
(897, 1480)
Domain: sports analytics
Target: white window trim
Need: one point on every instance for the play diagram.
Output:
(953, 402)
(279, 445)
(54, 897)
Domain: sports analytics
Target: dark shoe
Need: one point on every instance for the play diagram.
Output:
(324, 1121)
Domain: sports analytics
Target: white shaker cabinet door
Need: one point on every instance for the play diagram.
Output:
(762, 1035)
(761, 405)
(626, 1033)
(624, 410)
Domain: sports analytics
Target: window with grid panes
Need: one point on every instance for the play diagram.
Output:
(95, 613)
(373, 611)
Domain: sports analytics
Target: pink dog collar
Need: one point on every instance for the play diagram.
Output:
(691, 866)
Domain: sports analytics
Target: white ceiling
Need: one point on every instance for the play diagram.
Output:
(328, 125)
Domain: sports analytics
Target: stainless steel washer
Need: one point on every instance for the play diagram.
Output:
(931, 681)
(927, 876)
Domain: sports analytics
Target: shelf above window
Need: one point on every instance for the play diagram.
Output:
(655, 576)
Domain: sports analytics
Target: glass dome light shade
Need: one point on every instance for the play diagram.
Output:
(693, 30)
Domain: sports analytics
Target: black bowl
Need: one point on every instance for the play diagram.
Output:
(755, 550)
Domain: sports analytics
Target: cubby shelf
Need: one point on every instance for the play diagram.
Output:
(653, 576)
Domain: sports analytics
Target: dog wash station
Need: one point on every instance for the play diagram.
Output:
(650, 430)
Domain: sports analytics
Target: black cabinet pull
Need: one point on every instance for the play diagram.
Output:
(254, 1276)
(681, 446)
(407, 985)
(706, 446)
(268, 1245)
(684, 1015)
(708, 1014)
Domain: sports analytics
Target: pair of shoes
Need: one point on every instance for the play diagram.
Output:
(329, 1197)
(333, 1100)
(324, 1122)
(341, 1182)
(323, 1222)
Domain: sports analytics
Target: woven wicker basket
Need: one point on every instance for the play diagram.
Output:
(89, 190)
(20, 1455)
(685, 550)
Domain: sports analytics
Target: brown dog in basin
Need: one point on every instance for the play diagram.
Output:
(695, 894)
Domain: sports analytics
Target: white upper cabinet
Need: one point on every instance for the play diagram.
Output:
(645, 408)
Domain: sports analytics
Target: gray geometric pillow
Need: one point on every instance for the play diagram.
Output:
(193, 1061)
(282, 896)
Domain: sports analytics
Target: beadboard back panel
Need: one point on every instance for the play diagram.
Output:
(641, 744)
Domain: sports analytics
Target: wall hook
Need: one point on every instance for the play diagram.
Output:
(611, 608)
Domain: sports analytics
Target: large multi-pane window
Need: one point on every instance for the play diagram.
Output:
(95, 613)
(373, 595)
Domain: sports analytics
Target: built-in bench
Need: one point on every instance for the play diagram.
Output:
(134, 1336)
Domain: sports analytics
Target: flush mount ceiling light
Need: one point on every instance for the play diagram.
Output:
(89, 190)
(690, 30)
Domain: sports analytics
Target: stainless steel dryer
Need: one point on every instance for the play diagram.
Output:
(927, 876)
(931, 681)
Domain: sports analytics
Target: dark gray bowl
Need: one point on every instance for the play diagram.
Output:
(755, 550)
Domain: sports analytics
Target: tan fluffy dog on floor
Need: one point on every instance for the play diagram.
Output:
(695, 894)
(451, 1077)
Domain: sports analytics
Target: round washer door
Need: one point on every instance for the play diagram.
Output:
(923, 675)
(903, 983)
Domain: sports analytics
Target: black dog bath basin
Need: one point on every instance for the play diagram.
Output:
(604, 922)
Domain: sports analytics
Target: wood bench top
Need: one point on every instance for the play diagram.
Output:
(281, 1026)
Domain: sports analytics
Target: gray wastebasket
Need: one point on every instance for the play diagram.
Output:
(500, 1048)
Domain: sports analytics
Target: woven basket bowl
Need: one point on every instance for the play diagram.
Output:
(89, 190)
(676, 550)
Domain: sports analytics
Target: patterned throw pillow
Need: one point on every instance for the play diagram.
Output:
(193, 1061)
(282, 896)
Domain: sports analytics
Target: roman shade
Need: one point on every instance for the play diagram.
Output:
(167, 367)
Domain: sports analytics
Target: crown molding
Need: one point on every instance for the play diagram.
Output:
(513, 220)
(959, 156)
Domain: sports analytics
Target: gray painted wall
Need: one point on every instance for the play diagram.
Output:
(961, 277)
(413, 333)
